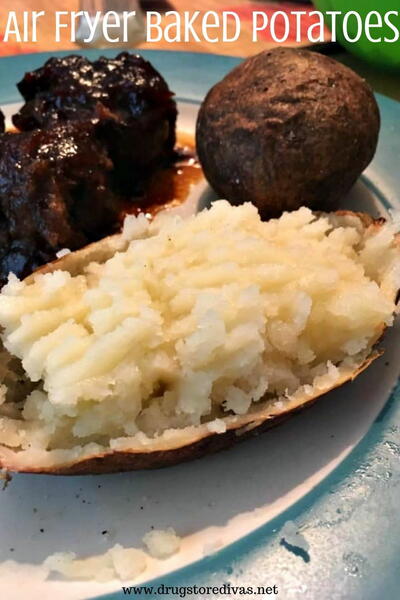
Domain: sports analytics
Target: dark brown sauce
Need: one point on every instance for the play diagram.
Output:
(171, 186)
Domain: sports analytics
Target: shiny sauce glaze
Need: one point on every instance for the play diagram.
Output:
(169, 187)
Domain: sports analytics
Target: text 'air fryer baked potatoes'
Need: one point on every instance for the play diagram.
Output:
(182, 336)
(287, 128)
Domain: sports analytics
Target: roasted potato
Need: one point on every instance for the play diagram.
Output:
(287, 128)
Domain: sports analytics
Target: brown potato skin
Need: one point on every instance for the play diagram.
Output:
(122, 461)
(287, 128)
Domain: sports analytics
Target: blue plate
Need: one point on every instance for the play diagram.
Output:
(349, 524)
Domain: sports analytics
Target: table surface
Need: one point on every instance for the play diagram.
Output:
(385, 83)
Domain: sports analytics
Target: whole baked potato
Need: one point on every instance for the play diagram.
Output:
(287, 128)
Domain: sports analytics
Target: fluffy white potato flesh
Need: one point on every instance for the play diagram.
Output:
(190, 321)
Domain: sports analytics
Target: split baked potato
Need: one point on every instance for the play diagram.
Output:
(181, 337)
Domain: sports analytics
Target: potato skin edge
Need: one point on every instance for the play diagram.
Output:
(122, 461)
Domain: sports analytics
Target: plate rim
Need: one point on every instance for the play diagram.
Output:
(381, 174)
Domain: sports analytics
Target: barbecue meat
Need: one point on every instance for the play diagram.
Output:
(55, 193)
(133, 100)
(91, 135)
